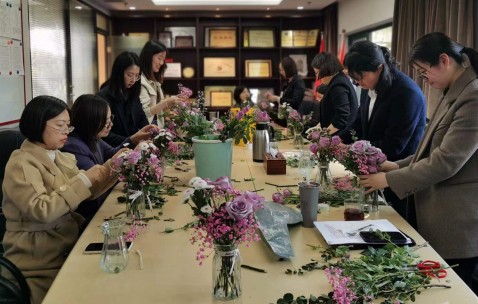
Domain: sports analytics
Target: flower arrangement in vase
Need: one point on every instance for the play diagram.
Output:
(238, 125)
(225, 218)
(164, 141)
(140, 169)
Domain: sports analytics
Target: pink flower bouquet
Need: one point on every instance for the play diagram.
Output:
(361, 158)
(324, 146)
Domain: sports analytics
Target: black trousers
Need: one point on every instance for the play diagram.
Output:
(405, 207)
(467, 270)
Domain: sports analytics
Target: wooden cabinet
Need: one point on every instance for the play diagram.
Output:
(203, 23)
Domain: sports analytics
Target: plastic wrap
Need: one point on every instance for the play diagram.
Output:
(273, 220)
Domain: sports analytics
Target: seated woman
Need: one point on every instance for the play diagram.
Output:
(86, 143)
(122, 93)
(242, 97)
(339, 105)
(41, 190)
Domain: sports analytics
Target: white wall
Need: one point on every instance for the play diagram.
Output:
(358, 15)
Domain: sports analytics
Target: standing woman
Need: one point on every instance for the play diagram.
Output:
(41, 191)
(294, 89)
(86, 143)
(443, 172)
(392, 114)
(122, 93)
(339, 105)
(151, 62)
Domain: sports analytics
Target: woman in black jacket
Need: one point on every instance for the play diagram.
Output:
(122, 93)
(339, 105)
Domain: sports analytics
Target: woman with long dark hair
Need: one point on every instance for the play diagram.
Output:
(392, 114)
(122, 93)
(442, 174)
(152, 64)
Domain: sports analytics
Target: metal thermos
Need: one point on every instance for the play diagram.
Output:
(260, 141)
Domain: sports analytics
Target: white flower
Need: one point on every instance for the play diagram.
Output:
(194, 179)
(143, 146)
(187, 194)
(207, 209)
(152, 146)
(201, 184)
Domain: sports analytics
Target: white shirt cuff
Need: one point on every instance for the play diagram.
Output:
(85, 180)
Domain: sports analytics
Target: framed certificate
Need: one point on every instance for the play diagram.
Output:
(300, 38)
(286, 38)
(184, 41)
(258, 68)
(219, 67)
(312, 37)
(261, 37)
(165, 38)
(173, 70)
(222, 37)
(221, 98)
(209, 89)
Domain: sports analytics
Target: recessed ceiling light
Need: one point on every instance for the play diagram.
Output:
(268, 16)
(167, 8)
(268, 8)
(79, 7)
(215, 2)
(217, 16)
(167, 16)
(300, 7)
(132, 8)
(217, 9)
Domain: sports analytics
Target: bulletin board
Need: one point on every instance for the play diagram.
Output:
(12, 72)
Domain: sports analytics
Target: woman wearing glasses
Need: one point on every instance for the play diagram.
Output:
(152, 65)
(122, 93)
(392, 108)
(86, 143)
(442, 174)
(41, 191)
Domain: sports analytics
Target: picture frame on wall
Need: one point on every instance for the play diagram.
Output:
(209, 89)
(261, 37)
(184, 42)
(221, 98)
(221, 38)
(173, 70)
(219, 66)
(301, 63)
(165, 38)
(181, 31)
(258, 68)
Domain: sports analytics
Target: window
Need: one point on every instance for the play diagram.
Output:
(381, 35)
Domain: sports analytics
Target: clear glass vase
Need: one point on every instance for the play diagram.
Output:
(298, 139)
(226, 272)
(324, 176)
(114, 256)
(370, 201)
(135, 203)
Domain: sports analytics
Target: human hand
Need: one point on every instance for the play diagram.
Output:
(388, 166)
(144, 133)
(97, 174)
(373, 182)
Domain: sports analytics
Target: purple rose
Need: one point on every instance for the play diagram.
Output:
(255, 199)
(239, 208)
(324, 142)
(336, 140)
(133, 157)
(286, 192)
(222, 183)
(315, 135)
(239, 115)
(314, 148)
(278, 198)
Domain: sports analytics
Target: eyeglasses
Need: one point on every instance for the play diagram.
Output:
(109, 122)
(135, 77)
(63, 130)
(423, 72)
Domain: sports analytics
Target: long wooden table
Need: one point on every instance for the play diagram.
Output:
(172, 275)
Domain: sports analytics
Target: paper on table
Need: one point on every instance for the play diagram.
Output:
(334, 232)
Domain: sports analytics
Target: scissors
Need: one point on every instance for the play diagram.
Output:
(432, 269)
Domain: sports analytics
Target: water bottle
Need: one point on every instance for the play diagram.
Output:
(260, 141)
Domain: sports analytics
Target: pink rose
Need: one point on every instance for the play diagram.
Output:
(239, 208)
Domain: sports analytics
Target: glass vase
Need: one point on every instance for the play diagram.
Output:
(370, 201)
(226, 272)
(324, 176)
(298, 139)
(114, 256)
(135, 203)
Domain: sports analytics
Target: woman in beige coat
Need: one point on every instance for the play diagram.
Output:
(442, 174)
(41, 190)
(152, 65)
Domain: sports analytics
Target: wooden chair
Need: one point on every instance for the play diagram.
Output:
(16, 291)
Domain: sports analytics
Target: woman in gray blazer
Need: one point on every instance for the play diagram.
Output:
(443, 172)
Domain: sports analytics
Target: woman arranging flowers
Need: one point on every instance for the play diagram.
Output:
(225, 219)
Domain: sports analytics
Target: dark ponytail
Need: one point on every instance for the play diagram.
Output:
(389, 59)
(429, 47)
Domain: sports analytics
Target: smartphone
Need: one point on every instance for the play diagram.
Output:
(396, 237)
(93, 248)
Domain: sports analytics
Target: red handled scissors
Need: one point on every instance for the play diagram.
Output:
(432, 269)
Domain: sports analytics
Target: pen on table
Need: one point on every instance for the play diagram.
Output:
(253, 268)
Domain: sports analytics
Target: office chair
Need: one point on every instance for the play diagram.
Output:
(10, 291)
(10, 140)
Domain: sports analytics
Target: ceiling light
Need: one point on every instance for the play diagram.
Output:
(215, 2)
(132, 8)
(79, 7)
(217, 9)
(300, 7)
(167, 8)
(167, 16)
(268, 8)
